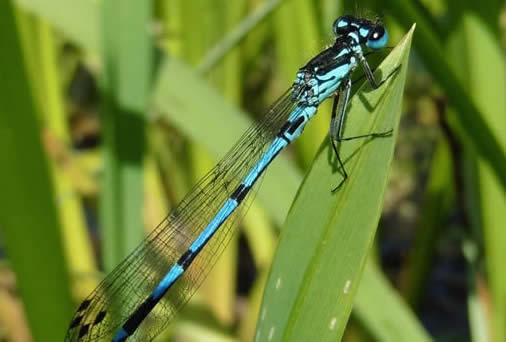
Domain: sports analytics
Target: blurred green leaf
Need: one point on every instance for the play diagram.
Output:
(79, 19)
(483, 73)
(235, 36)
(125, 88)
(28, 210)
(398, 322)
(438, 203)
(327, 237)
(470, 114)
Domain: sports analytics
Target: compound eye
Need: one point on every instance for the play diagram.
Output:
(342, 24)
(378, 38)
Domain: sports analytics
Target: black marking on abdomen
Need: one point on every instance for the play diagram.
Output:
(239, 193)
(283, 129)
(139, 315)
(285, 139)
(186, 259)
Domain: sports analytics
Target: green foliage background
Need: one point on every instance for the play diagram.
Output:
(179, 81)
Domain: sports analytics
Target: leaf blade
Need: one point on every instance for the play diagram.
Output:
(300, 305)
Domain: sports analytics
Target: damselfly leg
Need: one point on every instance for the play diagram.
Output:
(339, 116)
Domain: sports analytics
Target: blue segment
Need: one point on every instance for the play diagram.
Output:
(380, 43)
(120, 336)
(169, 279)
(277, 145)
(222, 215)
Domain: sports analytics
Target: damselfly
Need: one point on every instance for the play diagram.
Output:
(140, 296)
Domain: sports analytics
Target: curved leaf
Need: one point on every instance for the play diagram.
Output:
(327, 237)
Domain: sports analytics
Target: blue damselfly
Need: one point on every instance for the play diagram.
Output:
(141, 295)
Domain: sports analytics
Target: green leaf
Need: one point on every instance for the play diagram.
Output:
(398, 323)
(471, 115)
(327, 237)
(126, 85)
(438, 204)
(234, 37)
(28, 211)
(484, 73)
(79, 19)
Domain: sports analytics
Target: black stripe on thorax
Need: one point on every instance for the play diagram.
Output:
(334, 64)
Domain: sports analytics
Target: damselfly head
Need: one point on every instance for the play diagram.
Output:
(371, 33)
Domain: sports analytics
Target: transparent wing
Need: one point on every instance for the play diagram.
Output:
(105, 310)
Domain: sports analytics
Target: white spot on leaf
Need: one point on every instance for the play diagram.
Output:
(262, 315)
(332, 323)
(347, 286)
(271, 333)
